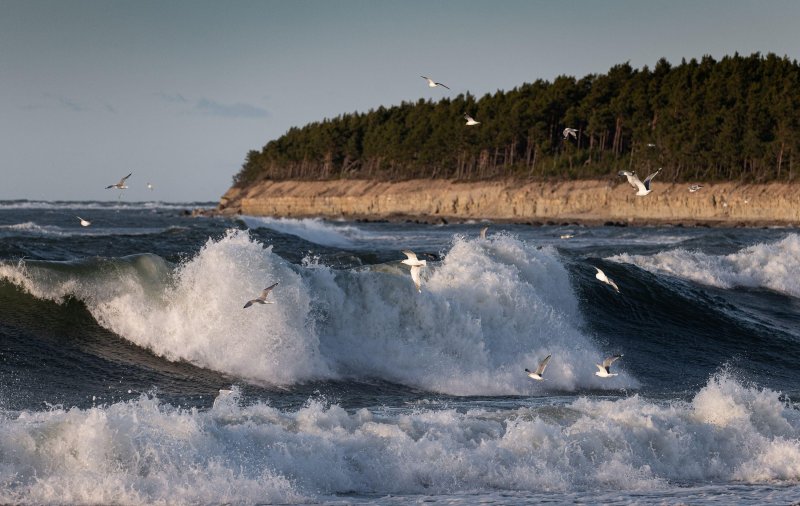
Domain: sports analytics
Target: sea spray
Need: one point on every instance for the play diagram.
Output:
(144, 451)
(772, 265)
(487, 311)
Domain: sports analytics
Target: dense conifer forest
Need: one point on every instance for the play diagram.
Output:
(733, 119)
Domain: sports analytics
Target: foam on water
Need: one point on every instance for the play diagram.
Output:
(774, 266)
(486, 312)
(311, 229)
(143, 451)
(112, 205)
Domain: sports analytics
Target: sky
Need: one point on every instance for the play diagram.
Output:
(177, 91)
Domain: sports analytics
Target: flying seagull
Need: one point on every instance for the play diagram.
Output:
(483, 232)
(121, 185)
(470, 120)
(604, 371)
(567, 236)
(633, 179)
(570, 131)
(694, 188)
(537, 374)
(150, 186)
(262, 299)
(416, 265)
(605, 279)
(434, 84)
(84, 223)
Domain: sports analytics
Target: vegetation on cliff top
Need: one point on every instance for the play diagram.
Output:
(737, 118)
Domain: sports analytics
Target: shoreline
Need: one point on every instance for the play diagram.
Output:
(585, 202)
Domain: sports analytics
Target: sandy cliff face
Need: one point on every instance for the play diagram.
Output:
(587, 201)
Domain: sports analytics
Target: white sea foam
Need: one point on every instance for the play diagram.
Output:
(145, 452)
(775, 266)
(311, 229)
(112, 205)
(486, 312)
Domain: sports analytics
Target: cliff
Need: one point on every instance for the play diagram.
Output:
(586, 201)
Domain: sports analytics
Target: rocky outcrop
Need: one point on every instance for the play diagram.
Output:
(589, 201)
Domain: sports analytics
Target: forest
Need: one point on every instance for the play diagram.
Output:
(733, 119)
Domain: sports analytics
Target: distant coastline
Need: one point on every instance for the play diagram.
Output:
(590, 202)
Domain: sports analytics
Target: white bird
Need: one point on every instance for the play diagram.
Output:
(604, 371)
(650, 145)
(567, 236)
(633, 179)
(84, 223)
(150, 186)
(694, 188)
(537, 374)
(262, 299)
(483, 232)
(121, 185)
(605, 279)
(470, 120)
(434, 84)
(570, 131)
(416, 265)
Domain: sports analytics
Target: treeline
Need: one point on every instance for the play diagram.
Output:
(734, 119)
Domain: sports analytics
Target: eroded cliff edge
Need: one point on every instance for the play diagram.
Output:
(586, 201)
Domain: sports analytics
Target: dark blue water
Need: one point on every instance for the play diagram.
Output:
(131, 373)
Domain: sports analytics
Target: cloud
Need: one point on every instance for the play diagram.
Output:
(239, 110)
(209, 107)
(175, 98)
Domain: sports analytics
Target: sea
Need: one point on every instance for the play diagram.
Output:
(131, 373)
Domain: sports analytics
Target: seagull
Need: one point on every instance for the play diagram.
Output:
(470, 120)
(633, 179)
(262, 299)
(150, 186)
(605, 279)
(434, 84)
(650, 145)
(415, 265)
(694, 188)
(121, 185)
(537, 374)
(604, 371)
(567, 236)
(84, 223)
(570, 131)
(483, 232)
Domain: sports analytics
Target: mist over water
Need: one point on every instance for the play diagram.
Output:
(353, 387)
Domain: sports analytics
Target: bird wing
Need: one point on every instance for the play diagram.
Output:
(415, 276)
(122, 181)
(249, 303)
(410, 254)
(543, 365)
(442, 85)
(611, 282)
(610, 360)
(650, 177)
(601, 368)
(600, 275)
(268, 289)
(634, 181)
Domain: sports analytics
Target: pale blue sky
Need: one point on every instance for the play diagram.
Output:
(177, 92)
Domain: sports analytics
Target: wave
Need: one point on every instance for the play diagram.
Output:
(488, 310)
(112, 205)
(144, 452)
(774, 266)
(311, 229)
(30, 228)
